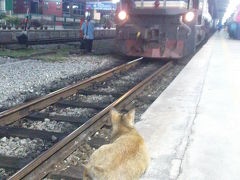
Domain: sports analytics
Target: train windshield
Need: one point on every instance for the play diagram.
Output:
(161, 3)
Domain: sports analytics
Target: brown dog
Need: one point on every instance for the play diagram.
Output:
(125, 159)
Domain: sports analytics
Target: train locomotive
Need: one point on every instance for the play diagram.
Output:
(161, 28)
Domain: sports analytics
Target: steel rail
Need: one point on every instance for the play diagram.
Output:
(14, 114)
(39, 168)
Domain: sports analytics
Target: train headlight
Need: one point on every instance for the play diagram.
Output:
(122, 15)
(189, 16)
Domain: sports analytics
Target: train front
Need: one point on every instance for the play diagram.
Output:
(156, 29)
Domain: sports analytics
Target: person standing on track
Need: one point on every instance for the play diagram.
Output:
(88, 34)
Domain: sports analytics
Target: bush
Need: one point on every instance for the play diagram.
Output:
(2, 19)
(2, 15)
(17, 22)
(10, 20)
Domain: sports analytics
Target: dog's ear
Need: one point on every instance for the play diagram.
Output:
(129, 117)
(115, 116)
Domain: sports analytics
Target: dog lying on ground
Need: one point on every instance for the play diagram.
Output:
(126, 158)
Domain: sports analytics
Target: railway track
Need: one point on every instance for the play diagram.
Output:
(114, 88)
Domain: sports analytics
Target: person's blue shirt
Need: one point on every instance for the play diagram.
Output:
(88, 31)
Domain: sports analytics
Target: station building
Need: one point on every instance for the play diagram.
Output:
(64, 13)
(2, 6)
(60, 8)
(50, 7)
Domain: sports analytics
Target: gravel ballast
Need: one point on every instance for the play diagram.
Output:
(27, 79)
(74, 112)
(81, 155)
(7, 60)
(16, 147)
(48, 125)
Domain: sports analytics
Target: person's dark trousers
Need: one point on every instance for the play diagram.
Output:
(88, 45)
(82, 44)
(90, 42)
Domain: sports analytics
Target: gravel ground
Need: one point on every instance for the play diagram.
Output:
(26, 79)
(7, 60)
(5, 173)
(154, 90)
(16, 147)
(158, 85)
(64, 127)
(86, 112)
(82, 154)
(75, 112)
(48, 125)
(94, 98)
(122, 83)
(20, 148)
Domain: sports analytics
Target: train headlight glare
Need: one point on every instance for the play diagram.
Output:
(122, 15)
(189, 16)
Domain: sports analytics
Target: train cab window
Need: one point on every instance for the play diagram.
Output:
(195, 4)
(199, 19)
(190, 4)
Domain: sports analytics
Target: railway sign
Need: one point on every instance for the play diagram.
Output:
(103, 5)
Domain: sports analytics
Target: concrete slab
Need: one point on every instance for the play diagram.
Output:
(192, 128)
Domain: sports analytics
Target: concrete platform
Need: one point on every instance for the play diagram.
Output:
(193, 129)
